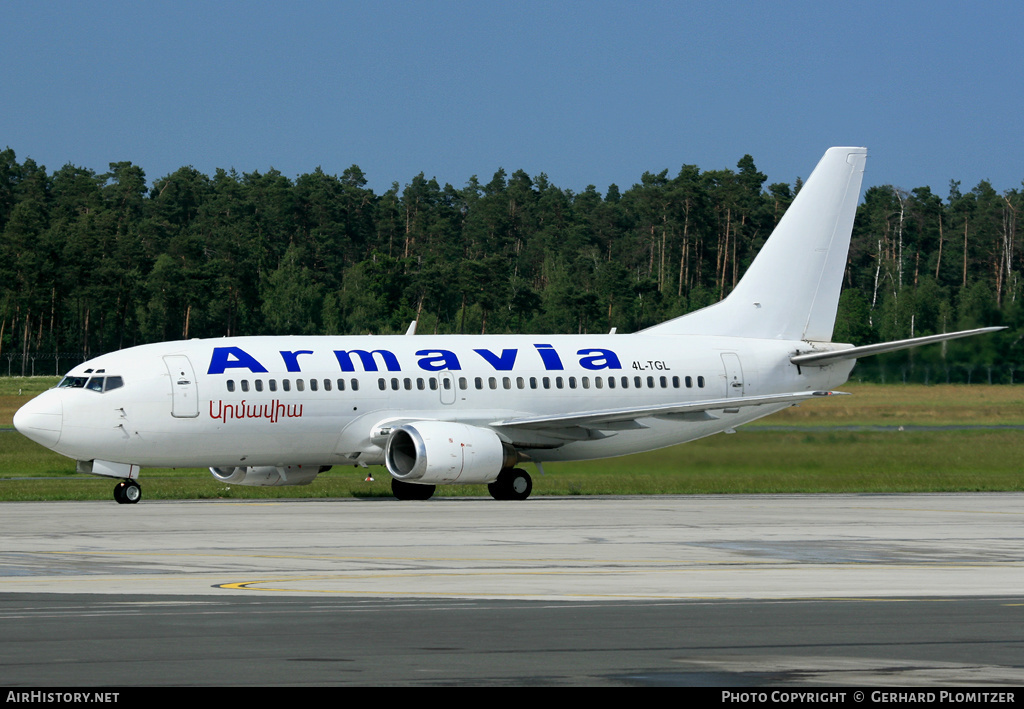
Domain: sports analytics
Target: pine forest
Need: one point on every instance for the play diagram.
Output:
(92, 262)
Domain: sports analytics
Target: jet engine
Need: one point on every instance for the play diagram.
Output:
(442, 452)
(269, 475)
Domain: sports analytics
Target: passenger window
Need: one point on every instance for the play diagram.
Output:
(547, 382)
(586, 382)
(312, 385)
(675, 382)
(382, 384)
(559, 383)
(231, 384)
(478, 382)
(286, 384)
(689, 382)
(700, 382)
(664, 382)
(355, 385)
(341, 385)
(611, 382)
(533, 382)
(463, 383)
(259, 385)
(273, 384)
(394, 383)
(599, 382)
(327, 384)
(572, 382)
(300, 384)
(520, 383)
(506, 382)
(625, 382)
(245, 385)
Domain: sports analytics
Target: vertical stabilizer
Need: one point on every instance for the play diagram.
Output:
(791, 290)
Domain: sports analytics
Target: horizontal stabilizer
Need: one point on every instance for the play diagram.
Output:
(820, 359)
(612, 418)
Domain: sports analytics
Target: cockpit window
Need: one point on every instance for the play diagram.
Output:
(100, 384)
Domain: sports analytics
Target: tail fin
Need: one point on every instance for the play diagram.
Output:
(791, 290)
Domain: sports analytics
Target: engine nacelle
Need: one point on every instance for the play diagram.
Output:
(442, 452)
(269, 475)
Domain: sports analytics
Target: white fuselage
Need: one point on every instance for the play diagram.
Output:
(279, 401)
(468, 408)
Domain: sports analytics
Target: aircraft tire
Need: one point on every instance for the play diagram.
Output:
(512, 484)
(127, 492)
(411, 491)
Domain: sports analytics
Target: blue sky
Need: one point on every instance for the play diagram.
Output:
(586, 92)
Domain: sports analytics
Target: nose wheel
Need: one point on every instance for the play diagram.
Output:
(127, 492)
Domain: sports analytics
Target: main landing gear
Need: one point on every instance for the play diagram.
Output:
(127, 492)
(512, 484)
(411, 491)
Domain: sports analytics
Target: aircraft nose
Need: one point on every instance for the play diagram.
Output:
(41, 419)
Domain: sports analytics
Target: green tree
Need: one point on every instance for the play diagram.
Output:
(292, 300)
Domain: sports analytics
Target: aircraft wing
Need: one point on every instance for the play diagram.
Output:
(626, 418)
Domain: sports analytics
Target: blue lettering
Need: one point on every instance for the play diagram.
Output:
(504, 363)
(549, 357)
(438, 360)
(600, 359)
(233, 358)
(291, 359)
(367, 360)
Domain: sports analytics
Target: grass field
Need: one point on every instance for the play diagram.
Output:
(806, 456)
(911, 405)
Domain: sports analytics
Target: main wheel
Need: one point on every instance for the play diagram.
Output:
(411, 491)
(127, 492)
(512, 484)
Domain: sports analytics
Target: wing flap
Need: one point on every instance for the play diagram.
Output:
(618, 419)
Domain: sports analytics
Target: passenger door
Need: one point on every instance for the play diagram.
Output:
(733, 374)
(184, 392)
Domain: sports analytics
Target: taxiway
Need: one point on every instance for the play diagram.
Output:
(730, 590)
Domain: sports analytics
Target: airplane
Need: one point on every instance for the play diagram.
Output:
(470, 409)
